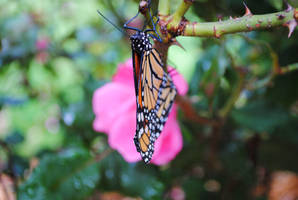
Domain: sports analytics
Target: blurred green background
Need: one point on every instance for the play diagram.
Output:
(54, 54)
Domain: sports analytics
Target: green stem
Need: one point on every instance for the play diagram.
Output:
(179, 13)
(289, 68)
(234, 96)
(164, 7)
(242, 24)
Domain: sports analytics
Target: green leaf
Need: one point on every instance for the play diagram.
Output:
(14, 138)
(276, 4)
(66, 175)
(134, 179)
(137, 181)
(284, 90)
(212, 66)
(193, 187)
(33, 127)
(260, 116)
(39, 77)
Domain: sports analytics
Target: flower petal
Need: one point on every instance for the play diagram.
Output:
(124, 73)
(121, 137)
(109, 103)
(179, 81)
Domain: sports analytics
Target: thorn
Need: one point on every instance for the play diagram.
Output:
(215, 34)
(219, 17)
(289, 7)
(291, 26)
(247, 11)
(249, 27)
(269, 23)
(280, 16)
(175, 42)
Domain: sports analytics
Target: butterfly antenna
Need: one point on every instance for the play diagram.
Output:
(129, 27)
(111, 23)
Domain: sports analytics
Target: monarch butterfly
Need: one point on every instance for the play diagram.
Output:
(155, 91)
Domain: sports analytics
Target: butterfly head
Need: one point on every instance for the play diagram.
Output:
(140, 42)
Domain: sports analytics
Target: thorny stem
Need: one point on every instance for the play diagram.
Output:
(178, 15)
(248, 22)
(171, 26)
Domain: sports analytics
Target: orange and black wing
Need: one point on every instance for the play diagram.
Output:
(155, 94)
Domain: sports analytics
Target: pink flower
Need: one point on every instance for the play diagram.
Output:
(114, 106)
(41, 46)
(42, 43)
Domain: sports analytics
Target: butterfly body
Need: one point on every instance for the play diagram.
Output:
(155, 93)
(140, 42)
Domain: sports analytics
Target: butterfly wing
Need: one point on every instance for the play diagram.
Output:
(155, 95)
